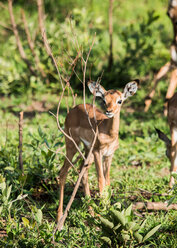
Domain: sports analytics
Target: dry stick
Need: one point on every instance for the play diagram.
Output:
(60, 128)
(83, 82)
(62, 220)
(67, 79)
(49, 51)
(31, 46)
(21, 141)
(44, 36)
(86, 161)
(153, 206)
(62, 153)
(18, 41)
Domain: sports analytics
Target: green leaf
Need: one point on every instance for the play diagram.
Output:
(106, 223)
(125, 236)
(40, 132)
(132, 226)
(117, 226)
(1, 208)
(150, 233)
(25, 221)
(138, 237)
(128, 210)
(46, 142)
(10, 168)
(119, 217)
(59, 143)
(3, 186)
(9, 191)
(171, 200)
(143, 224)
(19, 197)
(174, 174)
(39, 216)
(117, 205)
(106, 240)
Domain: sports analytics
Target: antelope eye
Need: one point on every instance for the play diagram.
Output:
(119, 102)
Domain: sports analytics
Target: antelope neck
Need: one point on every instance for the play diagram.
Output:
(113, 124)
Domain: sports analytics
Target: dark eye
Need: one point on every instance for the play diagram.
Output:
(104, 101)
(119, 102)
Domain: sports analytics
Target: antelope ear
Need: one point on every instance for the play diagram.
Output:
(173, 3)
(96, 88)
(130, 88)
(163, 137)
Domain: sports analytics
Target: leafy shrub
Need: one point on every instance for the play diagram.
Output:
(119, 228)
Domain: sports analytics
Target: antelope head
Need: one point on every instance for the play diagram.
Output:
(113, 99)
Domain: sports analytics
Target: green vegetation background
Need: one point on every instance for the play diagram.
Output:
(142, 34)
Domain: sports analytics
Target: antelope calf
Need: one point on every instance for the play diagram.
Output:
(171, 145)
(79, 123)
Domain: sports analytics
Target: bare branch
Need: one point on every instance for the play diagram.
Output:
(32, 46)
(62, 220)
(17, 37)
(153, 206)
(85, 67)
(44, 36)
(63, 154)
(60, 128)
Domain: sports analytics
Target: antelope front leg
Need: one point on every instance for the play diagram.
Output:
(99, 169)
(106, 167)
(63, 175)
(173, 154)
(85, 182)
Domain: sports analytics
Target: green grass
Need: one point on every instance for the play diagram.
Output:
(140, 169)
(139, 164)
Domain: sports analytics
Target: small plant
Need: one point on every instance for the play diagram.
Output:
(5, 199)
(120, 228)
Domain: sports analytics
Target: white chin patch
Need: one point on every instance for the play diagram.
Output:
(109, 115)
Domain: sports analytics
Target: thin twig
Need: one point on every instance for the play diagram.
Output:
(62, 220)
(44, 36)
(63, 154)
(153, 206)
(32, 46)
(60, 128)
(18, 41)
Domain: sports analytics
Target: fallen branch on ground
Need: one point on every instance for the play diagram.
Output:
(154, 206)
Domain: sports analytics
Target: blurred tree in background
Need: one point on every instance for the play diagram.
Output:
(141, 39)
